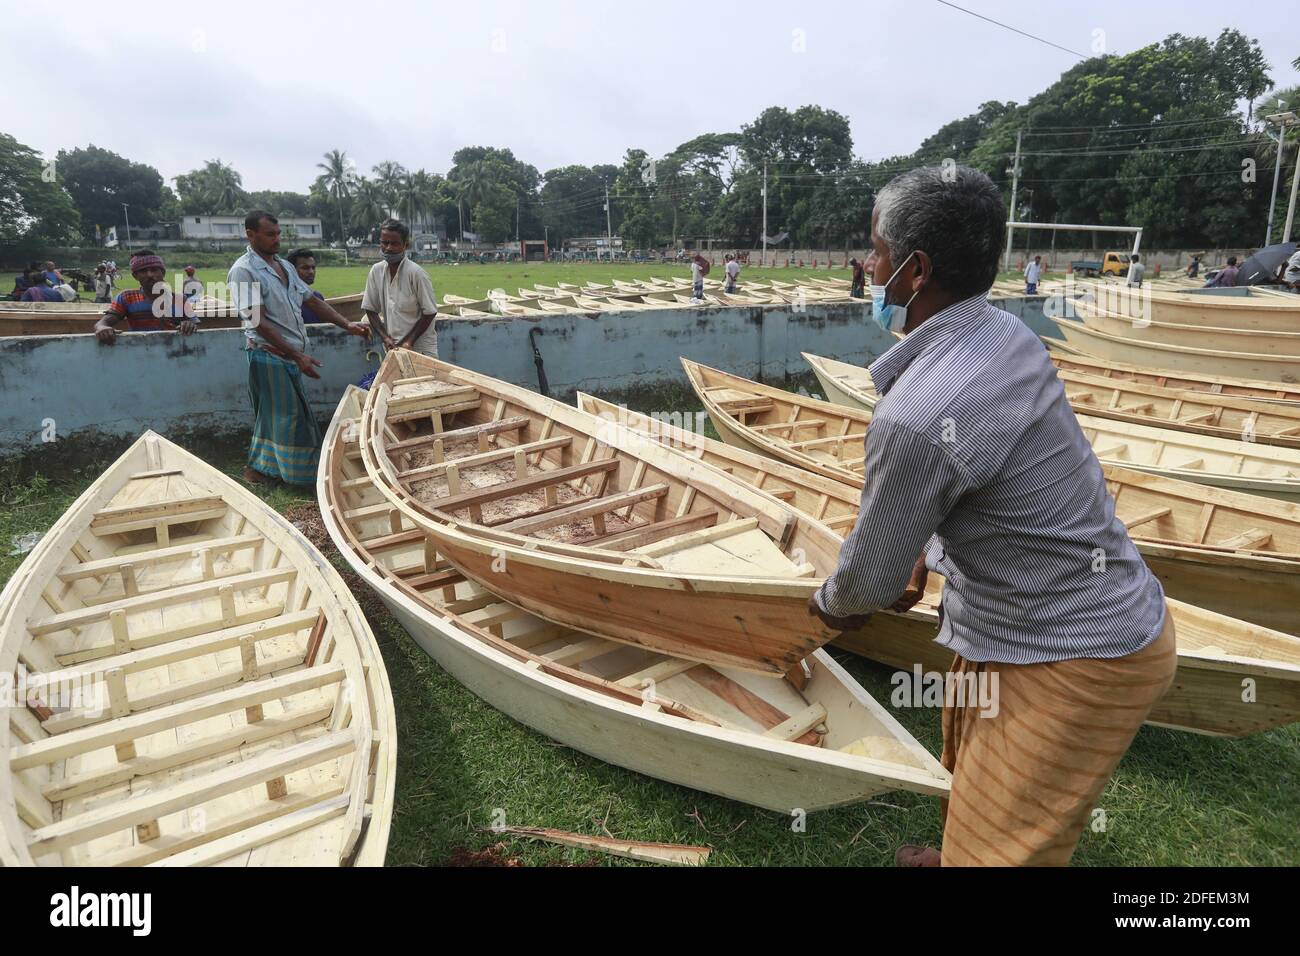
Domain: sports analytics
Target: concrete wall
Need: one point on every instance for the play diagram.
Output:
(159, 380)
(197, 386)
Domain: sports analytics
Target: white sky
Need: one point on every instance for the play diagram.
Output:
(270, 86)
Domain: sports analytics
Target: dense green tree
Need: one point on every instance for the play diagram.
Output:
(99, 181)
(214, 190)
(34, 206)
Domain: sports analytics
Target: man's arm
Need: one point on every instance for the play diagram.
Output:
(104, 330)
(377, 323)
(419, 328)
(324, 311)
(911, 486)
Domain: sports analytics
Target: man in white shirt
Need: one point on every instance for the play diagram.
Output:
(403, 293)
(1032, 273)
(1291, 277)
(1135, 272)
(733, 273)
(698, 269)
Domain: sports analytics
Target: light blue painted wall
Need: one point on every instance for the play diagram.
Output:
(169, 383)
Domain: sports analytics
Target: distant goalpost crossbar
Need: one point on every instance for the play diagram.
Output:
(1071, 227)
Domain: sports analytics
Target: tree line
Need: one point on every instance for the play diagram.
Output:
(1156, 137)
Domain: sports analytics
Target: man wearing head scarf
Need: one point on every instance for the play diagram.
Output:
(975, 461)
(270, 297)
(151, 308)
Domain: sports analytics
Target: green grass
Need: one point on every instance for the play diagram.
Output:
(1176, 799)
(476, 280)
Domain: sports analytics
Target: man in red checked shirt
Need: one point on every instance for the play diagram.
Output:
(151, 308)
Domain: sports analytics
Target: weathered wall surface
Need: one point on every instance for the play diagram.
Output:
(71, 387)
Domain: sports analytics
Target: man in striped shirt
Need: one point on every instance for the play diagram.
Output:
(975, 461)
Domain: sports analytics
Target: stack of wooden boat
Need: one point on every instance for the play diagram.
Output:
(1144, 427)
(1246, 336)
(813, 739)
(197, 685)
(1216, 652)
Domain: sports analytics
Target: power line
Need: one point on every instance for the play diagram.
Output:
(1006, 26)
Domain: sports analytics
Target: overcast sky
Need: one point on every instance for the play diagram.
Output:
(270, 86)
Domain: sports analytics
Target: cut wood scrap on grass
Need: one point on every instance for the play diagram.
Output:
(672, 854)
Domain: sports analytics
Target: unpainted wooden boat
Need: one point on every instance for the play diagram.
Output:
(198, 685)
(1217, 651)
(823, 438)
(1177, 358)
(590, 525)
(814, 743)
(1233, 553)
(1252, 311)
(1199, 413)
(1204, 337)
(1074, 361)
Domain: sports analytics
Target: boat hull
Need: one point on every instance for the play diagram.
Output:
(1157, 355)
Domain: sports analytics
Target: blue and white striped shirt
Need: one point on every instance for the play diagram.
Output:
(974, 456)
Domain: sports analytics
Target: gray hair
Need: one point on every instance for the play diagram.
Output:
(955, 215)
(397, 226)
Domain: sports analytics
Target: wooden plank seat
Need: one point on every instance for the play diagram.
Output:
(504, 425)
(122, 519)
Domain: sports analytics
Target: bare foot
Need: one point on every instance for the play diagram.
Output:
(254, 477)
(910, 855)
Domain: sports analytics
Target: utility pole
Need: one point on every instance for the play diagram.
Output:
(516, 219)
(128, 223)
(1015, 184)
(609, 232)
(1277, 173)
(1284, 121)
(764, 214)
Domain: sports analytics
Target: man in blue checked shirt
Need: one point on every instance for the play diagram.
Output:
(975, 462)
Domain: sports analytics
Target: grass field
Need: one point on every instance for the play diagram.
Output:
(1177, 799)
(475, 281)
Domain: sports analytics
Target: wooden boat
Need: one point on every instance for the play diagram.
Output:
(1216, 651)
(761, 741)
(1177, 358)
(1233, 553)
(1253, 310)
(1192, 412)
(1204, 337)
(212, 693)
(633, 541)
(1221, 462)
(823, 438)
(459, 299)
(1069, 360)
(833, 503)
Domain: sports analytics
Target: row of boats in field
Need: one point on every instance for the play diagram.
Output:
(73, 318)
(628, 588)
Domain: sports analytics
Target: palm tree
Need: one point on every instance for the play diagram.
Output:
(419, 194)
(389, 175)
(222, 185)
(339, 177)
(473, 182)
(369, 204)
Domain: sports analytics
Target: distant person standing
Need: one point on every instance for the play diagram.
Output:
(699, 269)
(304, 260)
(1194, 267)
(1225, 277)
(402, 291)
(1033, 272)
(1135, 272)
(103, 285)
(858, 285)
(733, 273)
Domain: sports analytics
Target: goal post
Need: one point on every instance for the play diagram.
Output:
(1070, 227)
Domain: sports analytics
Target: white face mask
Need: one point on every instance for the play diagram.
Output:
(891, 318)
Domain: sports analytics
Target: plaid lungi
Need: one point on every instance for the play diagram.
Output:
(286, 439)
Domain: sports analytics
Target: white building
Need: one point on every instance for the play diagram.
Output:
(305, 230)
